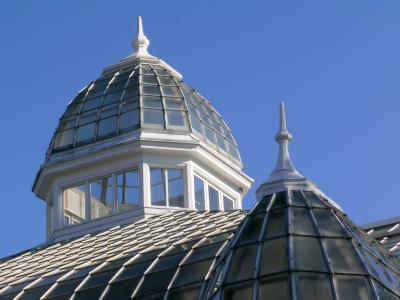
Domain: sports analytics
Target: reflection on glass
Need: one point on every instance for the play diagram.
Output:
(107, 126)
(175, 188)
(100, 198)
(74, 205)
(153, 116)
(213, 198)
(199, 193)
(64, 138)
(157, 179)
(128, 190)
(228, 203)
(176, 118)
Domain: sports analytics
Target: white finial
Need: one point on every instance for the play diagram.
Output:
(140, 43)
(284, 168)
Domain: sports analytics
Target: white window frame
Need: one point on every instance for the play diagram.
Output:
(86, 184)
(184, 179)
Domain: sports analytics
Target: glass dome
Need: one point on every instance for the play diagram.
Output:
(296, 245)
(146, 96)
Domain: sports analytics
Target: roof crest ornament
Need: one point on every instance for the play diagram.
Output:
(284, 168)
(140, 42)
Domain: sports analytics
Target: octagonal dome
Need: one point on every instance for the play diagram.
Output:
(143, 94)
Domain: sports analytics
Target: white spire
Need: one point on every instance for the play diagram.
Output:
(140, 43)
(284, 168)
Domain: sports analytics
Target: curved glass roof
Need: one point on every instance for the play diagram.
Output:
(295, 245)
(147, 96)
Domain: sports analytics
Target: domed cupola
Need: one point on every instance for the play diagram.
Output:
(298, 244)
(135, 142)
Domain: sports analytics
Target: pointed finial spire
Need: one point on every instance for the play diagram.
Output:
(141, 42)
(284, 168)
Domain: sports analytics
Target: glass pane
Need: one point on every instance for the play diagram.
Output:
(108, 111)
(152, 116)
(91, 104)
(233, 151)
(175, 103)
(107, 126)
(74, 205)
(149, 79)
(276, 223)
(157, 179)
(129, 120)
(112, 98)
(101, 197)
(116, 86)
(85, 133)
(327, 223)
(88, 117)
(162, 72)
(209, 134)
(175, 188)
(296, 198)
(166, 81)
(64, 138)
(156, 282)
(312, 284)
(151, 90)
(312, 200)
(171, 91)
(275, 287)
(176, 118)
(252, 229)
(196, 125)
(204, 252)
(301, 221)
(129, 104)
(274, 256)
(242, 263)
(152, 102)
(239, 291)
(308, 254)
(199, 193)
(352, 287)
(228, 203)
(185, 293)
(343, 256)
(221, 143)
(131, 91)
(213, 198)
(128, 190)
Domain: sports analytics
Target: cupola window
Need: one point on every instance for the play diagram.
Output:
(167, 188)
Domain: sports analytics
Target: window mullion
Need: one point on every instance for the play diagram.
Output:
(166, 186)
(114, 193)
(87, 201)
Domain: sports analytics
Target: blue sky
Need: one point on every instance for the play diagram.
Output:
(335, 63)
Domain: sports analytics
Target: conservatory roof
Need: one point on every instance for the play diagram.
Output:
(141, 92)
(176, 250)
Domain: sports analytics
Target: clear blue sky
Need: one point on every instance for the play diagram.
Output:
(335, 63)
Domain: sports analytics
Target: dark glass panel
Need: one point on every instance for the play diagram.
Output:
(274, 256)
(276, 223)
(131, 91)
(297, 198)
(262, 205)
(121, 289)
(33, 293)
(352, 287)
(327, 223)
(112, 97)
(67, 123)
(175, 188)
(301, 221)
(154, 117)
(242, 263)
(204, 252)
(145, 69)
(129, 120)
(64, 287)
(107, 126)
(309, 285)
(129, 104)
(116, 86)
(280, 200)
(168, 261)
(343, 256)
(185, 293)
(275, 287)
(73, 108)
(85, 133)
(93, 293)
(157, 179)
(97, 90)
(88, 117)
(162, 72)
(133, 271)
(313, 200)
(192, 273)
(308, 255)
(162, 279)
(91, 104)
(238, 291)
(252, 229)
(64, 138)
(108, 111)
